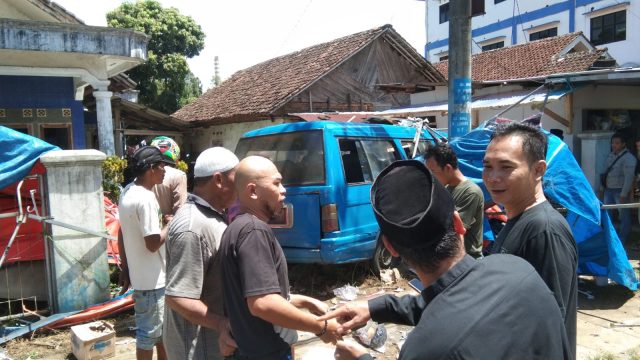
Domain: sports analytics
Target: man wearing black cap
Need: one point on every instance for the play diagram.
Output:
(492, 308)
(141, 240)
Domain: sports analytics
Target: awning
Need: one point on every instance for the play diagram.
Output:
(493, 101)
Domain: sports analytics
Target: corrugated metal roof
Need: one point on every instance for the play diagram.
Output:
(480, 102)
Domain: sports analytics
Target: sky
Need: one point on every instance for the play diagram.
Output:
(243, 33)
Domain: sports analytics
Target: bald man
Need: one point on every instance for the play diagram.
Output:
(263, 315)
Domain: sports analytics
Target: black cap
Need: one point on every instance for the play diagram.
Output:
(147, 156)
(412, 208)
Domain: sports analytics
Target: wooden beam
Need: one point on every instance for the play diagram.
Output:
(475, 118)
(568, 110)
(557, 117)
(138, 132)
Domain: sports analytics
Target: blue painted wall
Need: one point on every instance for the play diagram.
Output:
(44, 92)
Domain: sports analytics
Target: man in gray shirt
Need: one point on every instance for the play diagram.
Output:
(467, 196)
(619, 173)
(195, 326)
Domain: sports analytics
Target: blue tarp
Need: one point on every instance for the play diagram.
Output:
(19, 152)
(600, 251)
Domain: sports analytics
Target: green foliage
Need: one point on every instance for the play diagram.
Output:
(165, 81)
(112, 176)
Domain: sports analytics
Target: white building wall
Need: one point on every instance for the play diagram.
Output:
(626, 52)
(226, 135)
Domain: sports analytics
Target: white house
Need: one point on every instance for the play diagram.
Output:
(613, 24)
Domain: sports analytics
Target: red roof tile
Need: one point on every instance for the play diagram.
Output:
(265, 87)
(534, 59)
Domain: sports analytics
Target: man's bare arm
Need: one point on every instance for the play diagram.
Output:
(275, 309)
(153, 242)
(196, 312)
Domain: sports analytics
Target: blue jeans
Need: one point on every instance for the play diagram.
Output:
(149, 313)
(612, 196)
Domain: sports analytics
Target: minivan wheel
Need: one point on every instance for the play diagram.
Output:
(382, 258)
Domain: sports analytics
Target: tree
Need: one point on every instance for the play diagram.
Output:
(164, 80)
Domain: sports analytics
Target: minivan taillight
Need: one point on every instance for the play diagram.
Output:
(329, 218)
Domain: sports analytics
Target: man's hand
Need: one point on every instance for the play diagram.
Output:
(347, 350)
(332, 334)
(350, 316)
(315, 306)
(225, 341)
(123, 280)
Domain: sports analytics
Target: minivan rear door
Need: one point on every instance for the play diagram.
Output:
(299, 157)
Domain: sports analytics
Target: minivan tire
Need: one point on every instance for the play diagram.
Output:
(382, 258)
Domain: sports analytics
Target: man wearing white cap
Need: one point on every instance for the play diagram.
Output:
(195, 326)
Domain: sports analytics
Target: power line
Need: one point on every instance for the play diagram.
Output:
(286, 38)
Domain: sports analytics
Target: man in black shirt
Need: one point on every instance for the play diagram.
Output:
(492, 308)
(262, 313)
(514, 164)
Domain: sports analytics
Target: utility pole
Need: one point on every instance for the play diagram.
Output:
(459, 68)
(215, 81)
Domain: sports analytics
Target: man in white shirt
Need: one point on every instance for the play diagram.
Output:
(141, 243)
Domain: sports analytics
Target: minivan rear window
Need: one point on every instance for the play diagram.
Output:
(299, 156)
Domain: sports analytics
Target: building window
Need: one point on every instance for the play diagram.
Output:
(543, 34)
(609, 28)
(493, 46)
(57, 134)
(477, 7)
(498, 1)
(444, 13)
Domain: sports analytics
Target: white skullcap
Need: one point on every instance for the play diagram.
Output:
(213, 160)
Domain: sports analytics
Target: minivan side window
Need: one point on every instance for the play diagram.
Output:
(299, 156)
(407, 145)
(364, 159)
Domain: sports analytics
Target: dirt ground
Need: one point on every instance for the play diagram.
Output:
(608, 318)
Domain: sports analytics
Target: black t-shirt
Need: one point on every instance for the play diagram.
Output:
(253, 263)
(542, 236)
(492, 308)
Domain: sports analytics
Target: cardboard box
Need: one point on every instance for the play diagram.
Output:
(92, 341)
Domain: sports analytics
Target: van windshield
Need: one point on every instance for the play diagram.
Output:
(299, 156)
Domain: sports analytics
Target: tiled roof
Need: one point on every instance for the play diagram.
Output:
(265, 87)
(534, 59)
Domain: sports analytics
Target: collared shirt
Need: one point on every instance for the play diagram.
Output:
(193, 271)
(621, 174)
(492, 308)
(172, 193)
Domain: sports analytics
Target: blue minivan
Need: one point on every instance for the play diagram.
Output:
(327, 170)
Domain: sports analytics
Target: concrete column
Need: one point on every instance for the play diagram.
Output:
(77, 262)
(459, 68)
(595, 149)
(105, 121)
